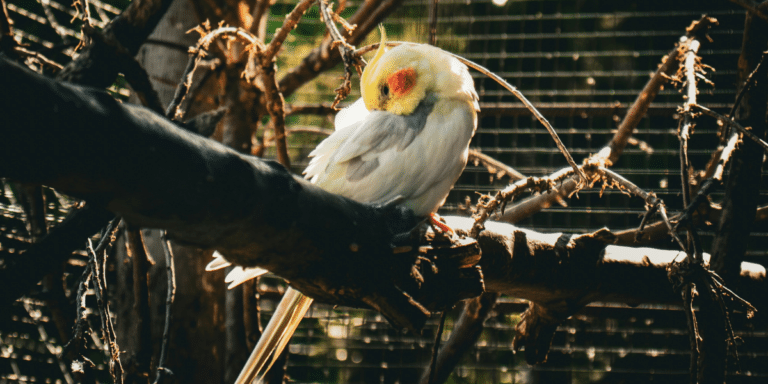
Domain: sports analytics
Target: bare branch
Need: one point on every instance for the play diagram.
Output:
(748, 83)
(280, 34)
(464, 335)
(260, 64)
(690, 68)
(494, 166)
(436, 348)
(741, 196)
(139, 362)
(694, 336)
(486, 206)
(170, 271)
(611, 152)
(108, 332)
(173, 111)
(730, 122)
(24, 270)
(6, 25)
(232, 202)
(310, 109)
(351, 61)
(726, 154)
(97, 65)
(23, 52)
(61, 31)
(259, 14)
(138, 78)
(324, 57)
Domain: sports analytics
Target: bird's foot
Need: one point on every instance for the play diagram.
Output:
(439, 224)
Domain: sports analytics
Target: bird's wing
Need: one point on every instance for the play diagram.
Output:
(353, 149)
(381, 131)
(347, 120)
(379, 158)
(351, 115)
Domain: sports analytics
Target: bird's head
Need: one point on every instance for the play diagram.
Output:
(396, 80)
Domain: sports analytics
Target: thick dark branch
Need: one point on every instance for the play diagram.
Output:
(256, 213)
(561, 275)
(152, 173)
(138, 78)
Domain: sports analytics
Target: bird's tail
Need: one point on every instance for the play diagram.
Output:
(276, 335)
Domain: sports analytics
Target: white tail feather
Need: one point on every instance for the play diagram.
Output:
(276, 335)
(239, 275)
(218, 262)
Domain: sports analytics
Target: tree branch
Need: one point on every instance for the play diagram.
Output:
(331, 248)
(742, 183)
(97, 64)
(138, 367)
(325, 57)
(23, 271)
(615, 147)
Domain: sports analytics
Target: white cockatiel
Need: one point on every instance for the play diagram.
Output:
(407, 138)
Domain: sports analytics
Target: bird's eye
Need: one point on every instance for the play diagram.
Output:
(385, 90)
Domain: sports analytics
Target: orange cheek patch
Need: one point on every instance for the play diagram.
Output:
(402, 81)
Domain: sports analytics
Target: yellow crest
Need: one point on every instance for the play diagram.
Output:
(365, 81)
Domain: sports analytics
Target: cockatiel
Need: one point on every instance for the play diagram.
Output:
(407, 137)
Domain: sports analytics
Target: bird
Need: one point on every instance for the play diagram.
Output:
(405, 140)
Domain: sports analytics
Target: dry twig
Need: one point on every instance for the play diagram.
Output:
(731, 123)
(139, 361)
(351, 61)
(81, 322)
(487, 205)
(84, 10)
(170, 272)
(692, 66)
(652, 203)
(494, 166)
(261, 64)
(108, 331)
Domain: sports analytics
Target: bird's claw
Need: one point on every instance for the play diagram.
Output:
(438, 223)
